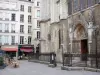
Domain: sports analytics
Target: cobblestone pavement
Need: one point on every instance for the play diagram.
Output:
(30, 68)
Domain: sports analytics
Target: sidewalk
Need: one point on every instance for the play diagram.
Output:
(41, 62)
(30, 68)
(66, 67)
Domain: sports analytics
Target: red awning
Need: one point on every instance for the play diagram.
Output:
(10, 49)
(26, 50)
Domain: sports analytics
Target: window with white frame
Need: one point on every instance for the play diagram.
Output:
(29, 39)
(38, 13)
(12, 39)
(29, 29)
(38, 3)
(38, 34)
(6, 39)
(12, 27)
(22, 28)
(21, 18)
(29, 19)
(7, 15)
(21, 39)
(1, 15)
(38, 24)
(0, 27)
(29, 9)
(13, 17)
(29, 0)
(21, 7)
(7, 27)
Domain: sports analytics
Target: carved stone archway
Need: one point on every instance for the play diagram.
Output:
(80, 39)
(80, 32)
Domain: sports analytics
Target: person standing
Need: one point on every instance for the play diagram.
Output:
(37, 51)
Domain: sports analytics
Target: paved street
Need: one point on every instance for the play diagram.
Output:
(30, 68)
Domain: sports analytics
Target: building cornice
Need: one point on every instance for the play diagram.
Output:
(37, 29)
(8, 21)
(45, 20)
(8, 9)
(36, 7)
(27, 1)
(63, 19)
(55, 23)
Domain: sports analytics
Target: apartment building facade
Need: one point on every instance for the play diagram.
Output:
(8, 23)
(36, 24)
(25, 21)
(16, 23)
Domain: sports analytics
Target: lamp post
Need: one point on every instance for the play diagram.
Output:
(16, 55)
(17, 52)
(92, 28)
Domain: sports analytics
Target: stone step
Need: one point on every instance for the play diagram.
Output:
(80, 68)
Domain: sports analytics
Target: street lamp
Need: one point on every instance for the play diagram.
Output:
(18, 41)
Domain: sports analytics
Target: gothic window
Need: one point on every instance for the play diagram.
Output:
(97, 1)
(82, 4)
(12, 40)
(69, 7)
(90, 2)
(76, 5)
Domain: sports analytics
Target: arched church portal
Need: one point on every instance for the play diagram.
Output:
(80, 39)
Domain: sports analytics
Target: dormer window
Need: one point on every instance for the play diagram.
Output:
(58, 1)
(38, 3)
(29, 0)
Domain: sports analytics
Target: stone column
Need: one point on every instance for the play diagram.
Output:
(90, 30)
